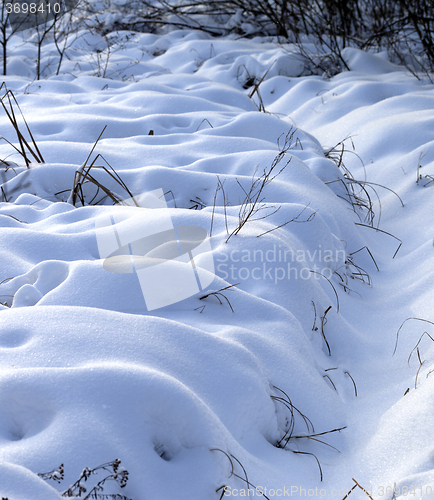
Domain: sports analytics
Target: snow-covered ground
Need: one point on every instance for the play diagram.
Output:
(233, 389)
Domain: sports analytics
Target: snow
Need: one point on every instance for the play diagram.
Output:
(88, 373)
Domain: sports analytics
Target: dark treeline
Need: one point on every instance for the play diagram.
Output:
(319, 29)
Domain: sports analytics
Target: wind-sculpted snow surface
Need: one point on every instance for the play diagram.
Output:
(295, 334)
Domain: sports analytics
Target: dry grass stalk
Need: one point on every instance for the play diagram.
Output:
(83, 175)
(25, 150)
(253, 202)
(250, 485)
(217, 294)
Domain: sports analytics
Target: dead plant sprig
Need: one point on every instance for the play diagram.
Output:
(198, 204)
(427, 176)
(224, 488)
(249, 484)
(5, 303)
(369, 183)
(312, 455)
(115, 473)
(255, 89)
(421, 363)
(400, 328)
(419, 166)
(220, 187)
(83, 175)
(369, 252)
(314, 327)
(360, 200)
(356, 201)
(12, 217)
(323, 323)
(417, 345)
(314, 436)
(285, 400)
(357, 485)
(55, 474)
(24, 149)
(294, 219)
(22, 184)
(385, 232)
(331, 381)
(331, 284)
(365, 184)
(218, 293)
(203, 121)
(352, 380)
(344, 284)
(173, 196)
(349, 492)
(336, 154)
(357, 192)
(254, 201)
(4, 196)
(358, 273)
